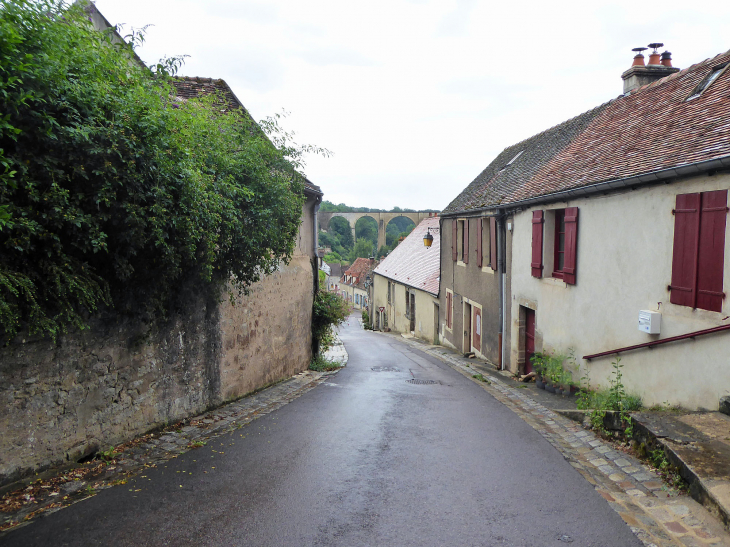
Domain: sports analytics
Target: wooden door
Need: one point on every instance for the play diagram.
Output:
(529, 338)
(413, 312)
(466, 346)
(477, 330)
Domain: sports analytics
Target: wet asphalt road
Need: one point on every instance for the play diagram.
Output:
(364, 459)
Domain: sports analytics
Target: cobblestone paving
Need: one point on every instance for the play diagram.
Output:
(68, 486)
(631, 488)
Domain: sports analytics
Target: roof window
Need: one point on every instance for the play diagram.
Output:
(707, 81)
(510, 162)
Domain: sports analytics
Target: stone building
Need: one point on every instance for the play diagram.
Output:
(91, 390)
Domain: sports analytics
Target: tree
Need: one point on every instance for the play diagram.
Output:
(111, 193)
(363, 249)
(367, 228)
(341, 228)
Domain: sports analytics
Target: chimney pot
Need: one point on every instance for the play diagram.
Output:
(660, 65)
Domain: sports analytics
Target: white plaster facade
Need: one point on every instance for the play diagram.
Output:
(624, 265)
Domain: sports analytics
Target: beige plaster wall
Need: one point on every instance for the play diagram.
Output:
(397, 320)
(624, 264)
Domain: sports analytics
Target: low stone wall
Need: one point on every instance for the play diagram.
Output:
(61, 402)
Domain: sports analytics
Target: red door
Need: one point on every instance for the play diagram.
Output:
(529, 338)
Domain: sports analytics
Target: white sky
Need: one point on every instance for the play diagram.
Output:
(416, 97)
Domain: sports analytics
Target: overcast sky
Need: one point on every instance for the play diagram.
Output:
(416, 97)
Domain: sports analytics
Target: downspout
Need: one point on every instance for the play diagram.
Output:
(315, 239)
(500, 270)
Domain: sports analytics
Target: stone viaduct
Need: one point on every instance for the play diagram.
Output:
(381, 218)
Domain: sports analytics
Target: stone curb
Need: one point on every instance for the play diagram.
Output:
(631, 488)
(700, 488)
(156, 448)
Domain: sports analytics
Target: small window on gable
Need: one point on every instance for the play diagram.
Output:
(708, 80)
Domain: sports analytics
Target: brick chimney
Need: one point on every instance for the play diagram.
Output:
(660, 65)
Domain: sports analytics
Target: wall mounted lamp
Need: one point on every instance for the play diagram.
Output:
(428, 238)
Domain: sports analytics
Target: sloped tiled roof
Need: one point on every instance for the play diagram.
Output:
(194, 88)
(414, 264)
(188, 87)
(651, 129)
(335, 270)
(359, 269)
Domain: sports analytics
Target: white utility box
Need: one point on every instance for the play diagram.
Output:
(650, 321)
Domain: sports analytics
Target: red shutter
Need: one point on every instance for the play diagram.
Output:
(465, 248)
(711, 253)
(493, 243)
(537, 221)
(684, 255)
(454, 244)
(480, 233)
(571, 245)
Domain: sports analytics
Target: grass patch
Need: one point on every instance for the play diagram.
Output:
(481, 378)
(322, 364)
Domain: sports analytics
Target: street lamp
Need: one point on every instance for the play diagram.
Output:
(428, 238)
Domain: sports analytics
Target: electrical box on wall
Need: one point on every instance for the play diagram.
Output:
(650, 321)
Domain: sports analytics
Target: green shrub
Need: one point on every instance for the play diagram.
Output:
(321, 364)
(111, 192)
(328, 310)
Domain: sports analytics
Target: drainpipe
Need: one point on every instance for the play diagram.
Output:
(502, 270)
(500, 351)
(315, 239)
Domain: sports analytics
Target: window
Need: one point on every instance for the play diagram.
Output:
(708, 80)
(698, 255)
(463, 241)
(561, 245)
(389, 292)
(407, 301)
(487, 242)
(449, 309)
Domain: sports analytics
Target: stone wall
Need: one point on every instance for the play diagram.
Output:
(61, 402)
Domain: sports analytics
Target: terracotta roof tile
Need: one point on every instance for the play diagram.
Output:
(414, 264)
(653, 128)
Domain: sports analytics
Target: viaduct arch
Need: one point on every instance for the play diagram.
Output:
(382, 219)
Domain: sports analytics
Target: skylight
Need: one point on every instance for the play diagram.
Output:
(512, 160)
(707, 81)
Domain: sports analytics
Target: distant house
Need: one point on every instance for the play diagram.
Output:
(332, 281)
(406, 285)
(612, 234)
(354, 283)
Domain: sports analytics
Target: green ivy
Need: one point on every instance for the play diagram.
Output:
(111, 192)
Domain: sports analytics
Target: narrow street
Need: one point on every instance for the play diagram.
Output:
(395, 449)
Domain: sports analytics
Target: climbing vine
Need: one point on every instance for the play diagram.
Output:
(112, 191)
